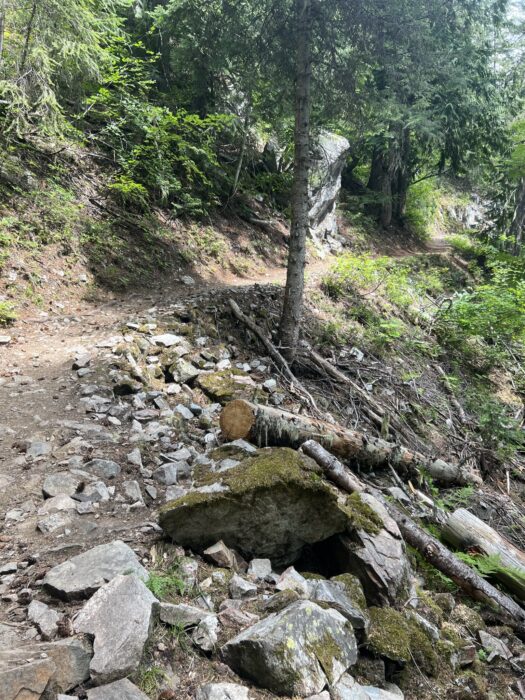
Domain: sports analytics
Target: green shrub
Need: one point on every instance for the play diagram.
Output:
(7, 313)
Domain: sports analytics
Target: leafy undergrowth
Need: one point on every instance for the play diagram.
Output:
(425, 335)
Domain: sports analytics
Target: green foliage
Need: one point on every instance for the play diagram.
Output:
(496, 424)
(423, 207)
(488, 565)
(169, 157)
(7, 313)
(166, 585)
(150, 679)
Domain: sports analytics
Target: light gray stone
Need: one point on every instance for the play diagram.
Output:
(241, 588)
(54, 522)
(134, 457)
(297, 651)
(25, 672)
(222, 691)
(349, 689)
(205, 635)
(105, 468)
(82, 575)
(334, 594)
(182, 614)
(57, 503)
(184, 411)
(259, 569)
(60, 483)
(119, 616)
(96, 492)
(132, 491)
(291, 580)
(167, 340)
(39, 448)
(171, 473)
(45, 618)
(221, 555)
(119, 690)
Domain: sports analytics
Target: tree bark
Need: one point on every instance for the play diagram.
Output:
(2, 29)
(380, 183)
(27, 40)
(265, 425)
(431, 549)
(465, 531)
(517, 226)
(293, 294)
(238, 169)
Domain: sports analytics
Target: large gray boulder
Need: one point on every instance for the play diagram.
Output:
(119, 616)
(28, 672)
(328, 160)
(119, 690)
(295, 652)
(374, 550)
(82, 575)
(270, 506)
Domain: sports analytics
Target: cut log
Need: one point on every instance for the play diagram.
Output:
(269, 426)
(465, 531)
(429, 547)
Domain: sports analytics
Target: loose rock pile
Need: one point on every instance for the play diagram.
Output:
(111, 610)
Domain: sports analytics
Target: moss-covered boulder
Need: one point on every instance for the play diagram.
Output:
(270, 506)
(398, 637)
(227, 385)
(296, 652)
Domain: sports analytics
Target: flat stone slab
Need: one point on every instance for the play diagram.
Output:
(295, 652)
(119, 616)
(82, 575)
(104, 468)
(25, 672)
(222, 691)
(119, 690)
(61, 483)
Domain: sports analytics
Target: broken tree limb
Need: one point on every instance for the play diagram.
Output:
(465, 531)
(273, 352)
(269, 426)
(371, 407)
(429, 547)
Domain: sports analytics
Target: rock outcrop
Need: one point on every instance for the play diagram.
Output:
(328, 159)
(296, 652)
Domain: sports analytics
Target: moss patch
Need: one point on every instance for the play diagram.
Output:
(361, 516)
(401, 639)
(353, 588)
(273, 504)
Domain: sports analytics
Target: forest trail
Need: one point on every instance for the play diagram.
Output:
(37, 388)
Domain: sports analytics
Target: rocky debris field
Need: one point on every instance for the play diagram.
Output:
(141, 556)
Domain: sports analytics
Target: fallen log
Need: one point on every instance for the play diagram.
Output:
(429, 547)
(465, 531)
(269, 426)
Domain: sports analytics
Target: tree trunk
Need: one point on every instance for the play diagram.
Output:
(238, 169)
(401, 179)
(268, 426)
(27, 40)
(380, 184)
(293, 295)
(465, 531)
(2, 29)
(431, 549)
(517, 227)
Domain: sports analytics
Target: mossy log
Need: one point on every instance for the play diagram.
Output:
(429, 547)
(269, 426)
(465, 531)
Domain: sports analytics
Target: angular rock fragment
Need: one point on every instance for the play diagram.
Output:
(205, 634)
(105, 468)
(45, 618)
(221, 691)
(348, 599)
(82, 575)
(240, 588)
(119, 616)
(60, 483)
(119, 690)
(295, 652)
(182, 614)
(27, 671)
